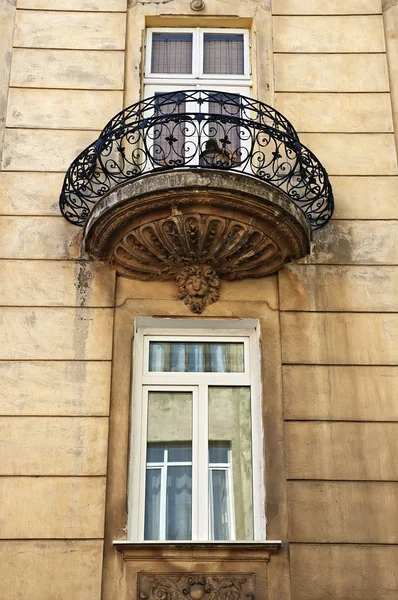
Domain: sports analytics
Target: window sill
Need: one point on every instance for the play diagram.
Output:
(213, 551)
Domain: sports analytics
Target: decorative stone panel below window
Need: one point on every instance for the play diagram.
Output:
(195, 586)
(194, 570)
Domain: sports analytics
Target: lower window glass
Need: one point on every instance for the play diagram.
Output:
(168, 494)
(230, 464)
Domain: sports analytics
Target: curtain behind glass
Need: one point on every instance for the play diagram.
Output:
(171, 53)
(229, 132)
(196, 357)
(152, 504)
(220, 513)
(223, 54)
(179, 503)
(168, 135)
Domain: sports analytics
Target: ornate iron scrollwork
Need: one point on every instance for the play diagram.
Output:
(194, 129)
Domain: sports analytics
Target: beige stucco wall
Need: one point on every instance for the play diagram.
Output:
(339, 336)
(330, 67)
(66, 80)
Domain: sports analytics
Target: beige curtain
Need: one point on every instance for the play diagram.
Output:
(171, 53)
(196, 357)
(223, 54)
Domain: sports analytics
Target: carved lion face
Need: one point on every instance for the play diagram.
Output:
(198, 286)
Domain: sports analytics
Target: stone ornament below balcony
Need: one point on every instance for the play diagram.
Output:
(196, 227)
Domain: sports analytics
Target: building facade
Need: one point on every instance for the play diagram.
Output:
(234, 435)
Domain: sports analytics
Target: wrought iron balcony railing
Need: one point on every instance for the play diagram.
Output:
(198, 129)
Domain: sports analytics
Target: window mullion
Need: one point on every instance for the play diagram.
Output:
(257, 450)
(197, 52)
(163, 499)
(203, 464)
(142, 462)
(231, 503)
(195, 464)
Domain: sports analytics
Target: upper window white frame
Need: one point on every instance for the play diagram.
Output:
(197, 57)
(246, 330)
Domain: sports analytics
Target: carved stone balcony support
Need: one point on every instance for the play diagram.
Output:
(196, 227)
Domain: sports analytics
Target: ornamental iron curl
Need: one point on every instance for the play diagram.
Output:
(198, 129)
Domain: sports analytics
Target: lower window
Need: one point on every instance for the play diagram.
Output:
(196, 438)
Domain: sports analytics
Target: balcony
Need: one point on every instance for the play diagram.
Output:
(196, 186)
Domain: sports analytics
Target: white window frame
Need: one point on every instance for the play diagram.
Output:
(197, 58)
(246, 330)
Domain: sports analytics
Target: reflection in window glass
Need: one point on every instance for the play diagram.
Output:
(223, 54)
(220, 491)
(152, 504)
(219, 452)
(171, 53)
(231, 502)
(168, 498)
(196, 357)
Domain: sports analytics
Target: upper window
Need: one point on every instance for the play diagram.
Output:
(196, 436)
(198, 54)
(180, 60)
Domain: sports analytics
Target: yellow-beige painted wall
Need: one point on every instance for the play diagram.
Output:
(64, 79)
(329, 67)
(339, 337)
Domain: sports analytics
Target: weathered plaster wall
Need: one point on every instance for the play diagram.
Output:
(390, 14)
(338, 321)
(7, 19)
(66, 80)
(251, 14)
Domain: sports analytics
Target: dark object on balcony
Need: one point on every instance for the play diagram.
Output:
(214, 156)
(195, 129)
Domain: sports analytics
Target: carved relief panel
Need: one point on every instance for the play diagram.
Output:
(195, 586)
(198, 570)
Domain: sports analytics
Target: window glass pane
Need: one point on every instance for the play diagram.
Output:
(195, 360)
(193, 357)
(152, 504)
(220, 505)
(224, 136)
(230, 422)
(223, 54)
(177, 358)
(180, 453)
(155, 453)
(165, 135)
(171, 53)
(179, 503)
(168, 500)
(219, 452)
